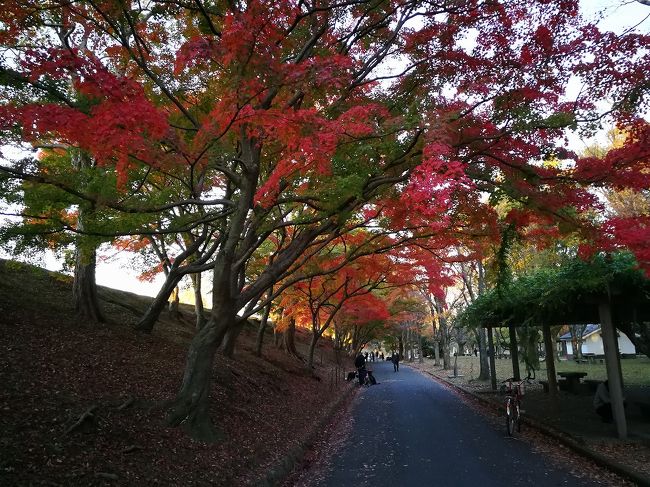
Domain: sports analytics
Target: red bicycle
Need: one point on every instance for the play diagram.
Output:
(515, 390)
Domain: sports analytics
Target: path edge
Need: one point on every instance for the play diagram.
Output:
(287, 464)
(563, 437)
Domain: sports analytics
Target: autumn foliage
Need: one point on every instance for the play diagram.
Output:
(309, 155)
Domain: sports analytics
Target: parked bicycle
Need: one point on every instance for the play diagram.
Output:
(515, 390)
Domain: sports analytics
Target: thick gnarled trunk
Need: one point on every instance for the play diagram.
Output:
(230, 338)
(85, 287)
(190, 407)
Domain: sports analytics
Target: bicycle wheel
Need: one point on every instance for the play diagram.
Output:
(511, 416)
(518, 410)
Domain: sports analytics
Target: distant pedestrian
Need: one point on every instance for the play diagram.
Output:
(372, 356)
(395, 360)
(382, 355)
(475, 352)
(360, 364)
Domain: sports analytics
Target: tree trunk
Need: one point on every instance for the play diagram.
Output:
(412, 344)
(484, 368)
(446, 361)
(444, 332)
(152, 314)
(230, 338)
(262, 329)
(290, 339)
(198, 301)
(514, 353)
(436, 352)
(190, 407)
(613, 366)
(84, 289)
(550, 364)
(491, 351)
(354, 343)
(173, 303)
(278, 338)
(312, 349)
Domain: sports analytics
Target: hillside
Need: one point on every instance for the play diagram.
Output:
(81, 403)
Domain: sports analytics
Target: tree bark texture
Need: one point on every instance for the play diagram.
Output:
(550, 363)
(290, 339)
(259, 343)
(436, 352)
(173, 304)
(493, 371)
(84, 289)
(514, 353)
(484, 367)
(230, 338)
(613, 366)
(190, 407)
(312, 350)
(198, 301)
(156, 307)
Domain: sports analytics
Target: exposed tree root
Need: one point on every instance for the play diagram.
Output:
(128, 403)
(132, 448)
(86, 416)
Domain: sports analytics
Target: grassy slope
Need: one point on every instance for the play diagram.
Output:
(53, 369)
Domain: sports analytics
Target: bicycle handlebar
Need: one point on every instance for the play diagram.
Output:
(512, 379)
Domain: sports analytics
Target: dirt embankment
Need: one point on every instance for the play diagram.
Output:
(81, 403)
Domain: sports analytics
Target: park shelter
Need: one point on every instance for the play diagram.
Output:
(609, 290)
(593, 342)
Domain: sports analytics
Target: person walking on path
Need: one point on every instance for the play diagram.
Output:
(395, 361)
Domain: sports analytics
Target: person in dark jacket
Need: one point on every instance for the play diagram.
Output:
(395, 361)
(360, 364)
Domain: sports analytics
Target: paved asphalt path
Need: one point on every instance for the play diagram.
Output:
(410, 431)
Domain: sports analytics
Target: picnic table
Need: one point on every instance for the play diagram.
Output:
(572, 380)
